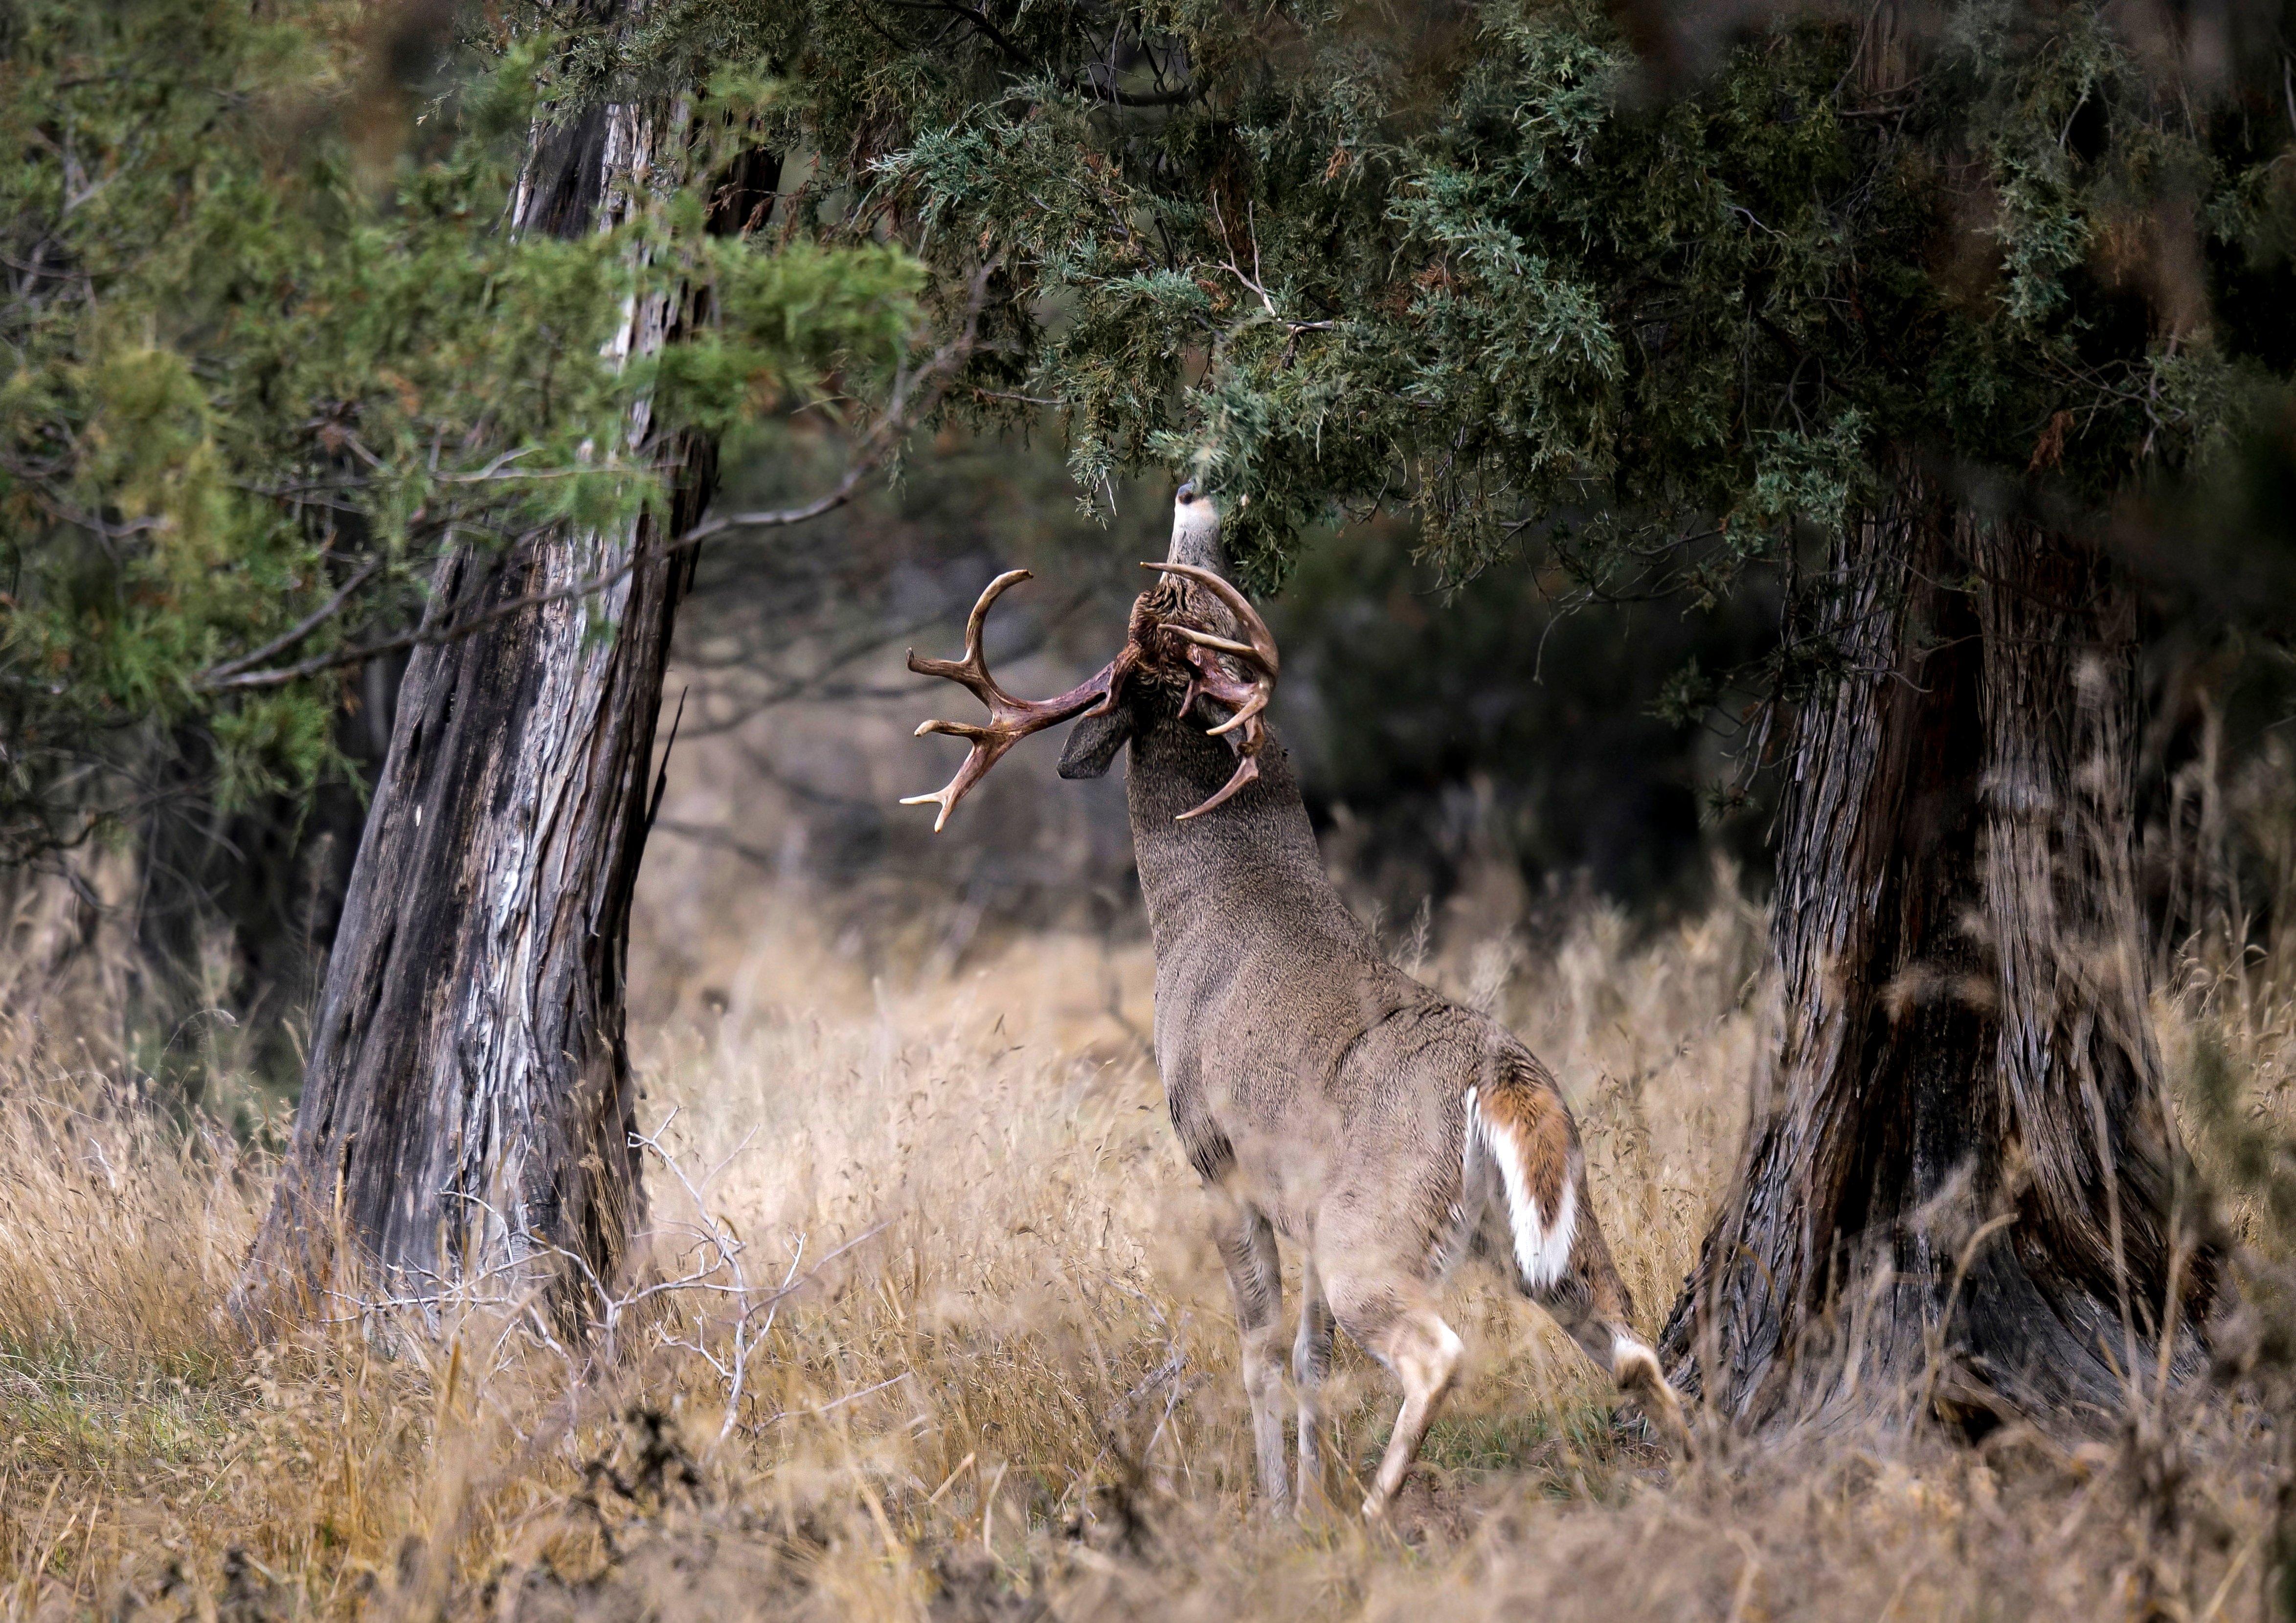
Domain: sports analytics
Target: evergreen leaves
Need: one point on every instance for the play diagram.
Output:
(1664, 314)
(268, 351)
(1490, 265)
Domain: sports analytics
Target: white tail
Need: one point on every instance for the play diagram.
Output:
(1539, 1241)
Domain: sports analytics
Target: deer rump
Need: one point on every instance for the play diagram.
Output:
(1318, 1091)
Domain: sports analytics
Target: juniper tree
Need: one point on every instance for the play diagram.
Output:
(1904, 305)
(337, 331)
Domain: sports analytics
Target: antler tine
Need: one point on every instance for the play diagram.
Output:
(1245, 700)
(1247, 771)
(1010, 719)
(1261, 650)
(971, 669)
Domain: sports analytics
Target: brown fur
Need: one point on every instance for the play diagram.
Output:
(1325, 1095)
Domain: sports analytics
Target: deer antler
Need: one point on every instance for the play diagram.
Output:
(1010, 719)
(1246, 699)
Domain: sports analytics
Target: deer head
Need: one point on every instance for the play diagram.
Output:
(1177, 646)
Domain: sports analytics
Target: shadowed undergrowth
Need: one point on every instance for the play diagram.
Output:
(946, 1339)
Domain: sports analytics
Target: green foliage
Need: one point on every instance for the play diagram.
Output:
(1488, 264)
(1664, 315)
(267, 336)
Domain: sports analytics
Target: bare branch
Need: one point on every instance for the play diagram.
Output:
(302, 629)
(913, 394)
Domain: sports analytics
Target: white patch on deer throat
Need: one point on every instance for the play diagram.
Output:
(1542, 1248)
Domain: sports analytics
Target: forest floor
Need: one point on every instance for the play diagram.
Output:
(985, 1366)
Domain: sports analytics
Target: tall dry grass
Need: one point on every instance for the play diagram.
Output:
(986, 1361)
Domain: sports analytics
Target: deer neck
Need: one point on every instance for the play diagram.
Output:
(1193, 873)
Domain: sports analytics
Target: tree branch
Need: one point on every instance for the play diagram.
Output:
(913, 392)
(1174, 97)
(302, 629)
(978, 18)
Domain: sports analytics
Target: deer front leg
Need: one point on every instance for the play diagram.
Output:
(1311, 1361)
(1247, 1245)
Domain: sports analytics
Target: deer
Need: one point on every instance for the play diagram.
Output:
(1320, 1093)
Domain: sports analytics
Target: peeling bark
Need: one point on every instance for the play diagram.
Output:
(467, 1105)
(1960, 1193)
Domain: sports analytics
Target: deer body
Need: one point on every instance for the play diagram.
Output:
(1320, 1093)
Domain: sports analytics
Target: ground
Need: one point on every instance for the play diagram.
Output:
(986, 1369)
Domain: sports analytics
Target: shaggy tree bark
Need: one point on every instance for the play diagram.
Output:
(1961, 1193)
(466, 1111)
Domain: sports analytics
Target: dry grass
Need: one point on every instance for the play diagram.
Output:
(1001, 1382)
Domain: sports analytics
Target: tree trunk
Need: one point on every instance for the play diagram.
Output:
(1960, 1195)
(466, 1117)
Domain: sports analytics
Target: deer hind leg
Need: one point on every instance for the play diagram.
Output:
(1247, 1245)
(1632, 1365)
(1592, 1304)
(1589, 1300)
(1311, 1361)
(1559, 1257)
(1402, 1330)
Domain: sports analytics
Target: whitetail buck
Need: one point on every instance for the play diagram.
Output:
(1321, 1093)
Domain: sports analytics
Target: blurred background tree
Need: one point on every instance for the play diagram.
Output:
(271, 357)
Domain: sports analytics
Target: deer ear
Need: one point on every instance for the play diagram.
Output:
(1092, 743)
